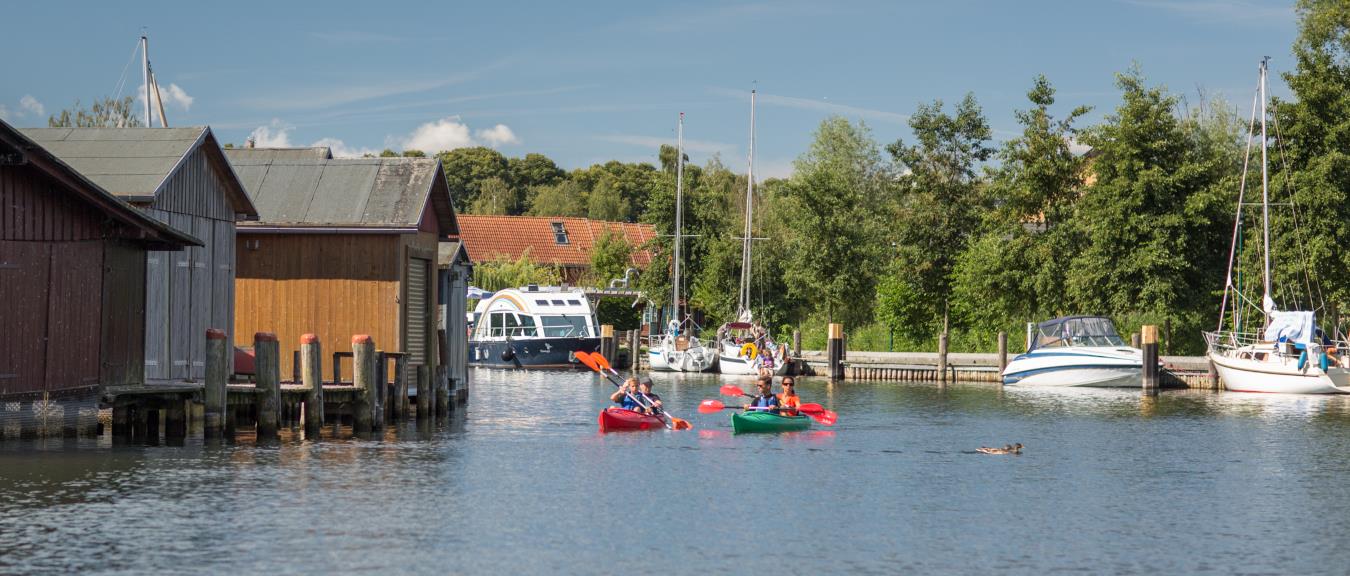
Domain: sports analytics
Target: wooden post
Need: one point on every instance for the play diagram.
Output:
(834, 351)
(1150, 341)
(441, 381)
(401, 388)
(607, 341)
(175, 422)
(311, 374)
(381, 388)
(635, 349)
(1134, 340)
(217, 376)
(121, 420)
(267, 362)
(1002, 352)
(942, 356)
(363, 379)
(425, 399)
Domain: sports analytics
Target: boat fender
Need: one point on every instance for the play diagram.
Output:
(508, 354)
(1323, 362)
(749, 350)
(1302, 359)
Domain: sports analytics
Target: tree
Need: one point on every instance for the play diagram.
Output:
(388, 153)
(467, 168)
(502, 272)
(494, 197)
(605, 202)
(563, 199)
(611, 256)
(938, 209)
(104, 113)
(533, 170)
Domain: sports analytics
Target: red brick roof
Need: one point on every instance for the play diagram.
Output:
(489, 237)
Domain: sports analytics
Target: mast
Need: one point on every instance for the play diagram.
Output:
(744, 304)
(679, 219)
(145, 74)
(1267, 303)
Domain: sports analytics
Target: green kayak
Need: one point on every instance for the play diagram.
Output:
(767, 422)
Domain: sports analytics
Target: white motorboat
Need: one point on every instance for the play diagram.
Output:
(1289, 354)
(533, 327)
(678, 349)
(1076, 351)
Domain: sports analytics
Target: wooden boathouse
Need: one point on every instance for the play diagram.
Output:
(342, 247)
(180, 177)
(73, 288)
(456, 273)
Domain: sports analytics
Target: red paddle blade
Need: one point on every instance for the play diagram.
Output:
(679, 424)
(811, 408)
(710, 406)
(600, 360)
(730, 390)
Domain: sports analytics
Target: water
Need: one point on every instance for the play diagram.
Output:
(1110, 482)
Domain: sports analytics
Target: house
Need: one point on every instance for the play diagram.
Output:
(564, 242)
(73, 284)
(342, 247)
(180, 177)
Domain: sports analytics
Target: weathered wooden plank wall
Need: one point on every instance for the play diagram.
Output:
(74, 315)
(123, 315)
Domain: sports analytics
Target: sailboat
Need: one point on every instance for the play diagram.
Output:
(745, 347)
(679, 350)
(1290, 354)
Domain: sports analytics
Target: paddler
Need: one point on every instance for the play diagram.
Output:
(626, 396)
(766, 401)
(788, 399)
(648, 397)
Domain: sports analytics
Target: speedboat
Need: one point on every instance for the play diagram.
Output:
(1076, 351)
(533, 327)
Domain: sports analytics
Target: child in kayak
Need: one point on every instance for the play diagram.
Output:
(788, 400)
(650, 398)
(626, 395)
(766, 401)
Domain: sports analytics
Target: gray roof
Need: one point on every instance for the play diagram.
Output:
(346, 193)
(450, 252)
(261, 154)
(133, 163)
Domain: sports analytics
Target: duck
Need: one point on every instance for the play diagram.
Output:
(1006, 449)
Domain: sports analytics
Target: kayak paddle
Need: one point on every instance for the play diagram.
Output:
(675, 423)
(815, 411)
(730, 390)
(598, 363)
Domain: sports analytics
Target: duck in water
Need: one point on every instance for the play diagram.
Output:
(1006, 449)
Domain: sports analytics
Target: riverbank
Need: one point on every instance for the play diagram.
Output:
(1178, 371)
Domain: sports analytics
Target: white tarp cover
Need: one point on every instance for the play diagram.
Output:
(1292, 326)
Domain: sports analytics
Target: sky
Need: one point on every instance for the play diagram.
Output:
(588, 82)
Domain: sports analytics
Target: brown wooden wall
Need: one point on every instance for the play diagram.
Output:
(331, 285)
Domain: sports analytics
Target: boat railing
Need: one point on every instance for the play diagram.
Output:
(1228, 341)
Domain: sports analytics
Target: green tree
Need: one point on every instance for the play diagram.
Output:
(413, 154)
(565, 198)
(104, 113)
(533, 170)
(606, 202)
(467, 168)
(611, 255)
(494, 197)
(938, 209)
(502, 272)
(388, 153)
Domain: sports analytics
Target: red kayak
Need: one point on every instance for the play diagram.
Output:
(615, 418)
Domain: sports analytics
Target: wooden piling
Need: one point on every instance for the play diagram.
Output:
(834, 351)
(217, 377)
(363, 379)
(175, 421)
(1002, 351)
(311, 375)
(121, 420)
(607, 341)
(425, 399)
(942, 356)
(381, 413)
(1134, 340)
(267, 362)
(1150, 342)
(442, 385)
(635, 349)
(401, 384)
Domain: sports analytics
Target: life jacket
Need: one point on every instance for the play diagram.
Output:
(770, 401)
(629, 403)
(790, 404)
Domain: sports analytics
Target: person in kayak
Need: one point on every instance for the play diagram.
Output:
(650, 398)
(766, 401)
(626, 395)
(788, 399)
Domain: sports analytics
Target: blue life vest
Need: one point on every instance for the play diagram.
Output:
(629, 403)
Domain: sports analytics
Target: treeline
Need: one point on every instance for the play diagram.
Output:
(1131, 217)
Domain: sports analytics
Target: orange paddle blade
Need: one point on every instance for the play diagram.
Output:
(679, 424)
(730, 390)
(601, 361)
(588, 360)
(710, 406)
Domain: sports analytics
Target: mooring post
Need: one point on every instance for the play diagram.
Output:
(363, 379)
(1150, 341)
(381, 388)
(834, 351)
(217, 376)
(1134, 340)
(442, 384)
(175, 421)
(402, 384)
(1002, 351)
(606, 341)
(267, 362)
(426, 400)
(311, 374)
(942, 356)
(635, 349)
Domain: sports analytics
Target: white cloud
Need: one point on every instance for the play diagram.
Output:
(178, 97)
(274, 135)
(342, 150)
(497, 136)
(173, 95)
(30, 105)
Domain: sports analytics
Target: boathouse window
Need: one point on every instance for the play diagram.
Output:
(559, 233)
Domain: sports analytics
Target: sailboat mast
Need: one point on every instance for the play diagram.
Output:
(1266, 301)
(679, 219)
(749, 214)
(145, 74)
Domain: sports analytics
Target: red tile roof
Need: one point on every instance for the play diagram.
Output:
(489, 237)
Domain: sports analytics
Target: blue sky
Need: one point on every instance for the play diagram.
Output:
(586, 82)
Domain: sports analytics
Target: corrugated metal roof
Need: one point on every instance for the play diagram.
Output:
(450, 251)
(259, 154)
(124, 161)
(361, 192)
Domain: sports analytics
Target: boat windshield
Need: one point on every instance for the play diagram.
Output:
(1077, 331)
(564, 326)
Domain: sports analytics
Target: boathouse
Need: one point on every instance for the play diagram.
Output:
(456, 273)
(73, 285)
(563, 242)
(343, 247)
(180, 177)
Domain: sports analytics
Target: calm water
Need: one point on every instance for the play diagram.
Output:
(522, 483)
